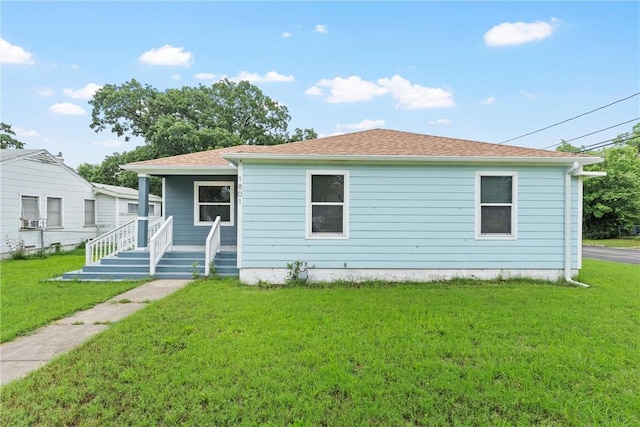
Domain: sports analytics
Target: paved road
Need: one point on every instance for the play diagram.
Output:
(629, 256)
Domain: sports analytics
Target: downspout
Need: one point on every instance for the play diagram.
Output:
(567, 227)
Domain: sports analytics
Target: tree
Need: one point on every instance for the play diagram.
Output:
(613, 202)
(191, 119)
(186, 120)
(109, 171)
(7, 139)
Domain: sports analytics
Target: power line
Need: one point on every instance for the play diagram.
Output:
(603, 144)
(572, 118)
(593, 133)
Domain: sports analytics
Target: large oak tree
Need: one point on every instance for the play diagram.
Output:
(186, 120)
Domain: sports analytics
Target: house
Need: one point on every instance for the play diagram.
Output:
(119, 205)
(45, 203)
(377, 204)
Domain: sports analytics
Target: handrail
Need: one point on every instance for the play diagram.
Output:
(154, 227)
(212, 246)
(118, 239)
(159, 244)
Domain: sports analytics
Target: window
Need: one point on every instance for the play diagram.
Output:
(213, 199)
(54, 212)
(89, 212)
(496, 212)
(29, 212)
(327, 204)
(132, 208)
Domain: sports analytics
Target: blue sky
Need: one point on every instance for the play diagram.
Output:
(487, 71)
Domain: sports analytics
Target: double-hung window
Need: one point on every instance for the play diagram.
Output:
(29, 211)
(327, 205)
(89, 212)
(54, 212)
(213, 199)
(496, 205)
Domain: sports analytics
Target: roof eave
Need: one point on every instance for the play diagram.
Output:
(181, 169)
(235, 157)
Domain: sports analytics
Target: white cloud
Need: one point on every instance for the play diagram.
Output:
(321, 28)
(74, 67)
(351, 89)
(363, 125)
(414, 96)
(286, 34)
(10, 54)
(111, 143)
(440, 122)
(176, 76)
(515, 33)
(324, 135)
(490, 100)
(205, 76)
(314, 91)
(45, 91)
(269, 77)
(67, 109)
(167, 55)
(24, 133)
(85, 93)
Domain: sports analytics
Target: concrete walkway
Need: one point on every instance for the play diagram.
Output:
(25, 354)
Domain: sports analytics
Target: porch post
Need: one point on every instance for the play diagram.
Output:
(143, 210)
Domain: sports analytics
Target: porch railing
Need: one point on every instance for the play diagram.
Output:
(118, 239)
(160, 243)
(212, 246)
(154, 227)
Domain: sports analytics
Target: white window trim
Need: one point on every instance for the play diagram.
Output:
(95, 213)
(345, 213)
(38, 203)
(46, 209)
(129, 204)
(196, 210)
(514, 206)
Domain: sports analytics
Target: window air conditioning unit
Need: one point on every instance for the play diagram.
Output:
(30, 223)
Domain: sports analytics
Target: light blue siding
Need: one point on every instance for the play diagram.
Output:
(404, 217)
(179, 203)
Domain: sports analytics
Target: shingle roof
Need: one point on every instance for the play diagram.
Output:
(383, 142)
(370, 143)
(201, 158)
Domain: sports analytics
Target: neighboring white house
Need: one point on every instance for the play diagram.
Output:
(118, 205)
(44, 202)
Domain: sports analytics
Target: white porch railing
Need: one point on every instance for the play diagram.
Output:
(154, 227)
(161, 241)
(118, 239)
(212, 246)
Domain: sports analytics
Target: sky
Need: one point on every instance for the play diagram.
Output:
(484, 71)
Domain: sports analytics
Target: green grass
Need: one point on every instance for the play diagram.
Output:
(29, 301)
(624, 242)
(458, 353)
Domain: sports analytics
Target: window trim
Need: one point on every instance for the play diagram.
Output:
(46, 209)
(196, 204)
(95, 213)
(151, 211)
(514, 206)
(345, 204)
(39, 213)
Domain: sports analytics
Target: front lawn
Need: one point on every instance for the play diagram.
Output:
(460, 353)
(28, 300)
